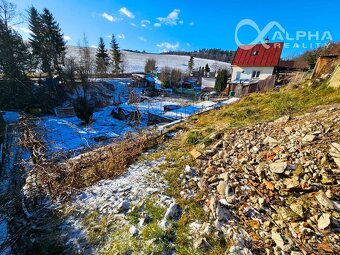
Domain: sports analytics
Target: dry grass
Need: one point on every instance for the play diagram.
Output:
(261, 107)
(65, 178)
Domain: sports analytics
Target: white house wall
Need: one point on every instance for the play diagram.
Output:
(264, 72)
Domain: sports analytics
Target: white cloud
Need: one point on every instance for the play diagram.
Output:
(145, 23)
(192, 23)
(121, 36)
(181, 22)
(109, 17)
(133, 24)
(142, 39)
(188, 44)
(94, 46)
(157, 25)
(126, 12)
(166, 46)
(109, 36)
(67, 38)
(171, 19)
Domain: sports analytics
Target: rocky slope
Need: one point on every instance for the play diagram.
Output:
(272, 188)
(269, 188)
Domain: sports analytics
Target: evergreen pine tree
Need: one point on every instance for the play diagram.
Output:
(207, 69)
(191, 64)
(15, 89)
(14, 55)
(221, 80)
(115, 54)
(47, 41)
(53, 42)
(36, 39)
(102, 57)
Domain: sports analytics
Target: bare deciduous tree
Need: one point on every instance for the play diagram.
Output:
(7, 13)
(86, 64)
(123, 64)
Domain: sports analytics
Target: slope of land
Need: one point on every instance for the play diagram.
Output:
(258, 177)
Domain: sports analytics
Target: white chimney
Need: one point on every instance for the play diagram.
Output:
(266, 41)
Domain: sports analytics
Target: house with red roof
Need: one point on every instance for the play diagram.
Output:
(253, 63)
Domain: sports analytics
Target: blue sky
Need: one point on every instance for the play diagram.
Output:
(157, 26)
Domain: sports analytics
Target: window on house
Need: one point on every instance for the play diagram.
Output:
(255, 74)
(254, 53)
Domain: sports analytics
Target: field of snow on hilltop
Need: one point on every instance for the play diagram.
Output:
(135, 62)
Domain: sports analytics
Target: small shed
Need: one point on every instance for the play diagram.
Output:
(323, 64)
(126, 112)
(144, 80)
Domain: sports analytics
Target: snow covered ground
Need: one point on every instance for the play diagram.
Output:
(68, 135)
(113, 197)
(136, 61)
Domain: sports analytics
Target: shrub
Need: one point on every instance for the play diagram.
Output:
(84, 110)
(193, 137)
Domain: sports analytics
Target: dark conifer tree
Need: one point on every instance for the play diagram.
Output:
(15, 89)
(102, 57)
(47, 41)
(53, 42)
(115, 54)
(207, 69)
(221, 80)
(191, 64)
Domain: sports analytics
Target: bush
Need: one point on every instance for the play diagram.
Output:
(193, 137)
(83, 109)
(221, 80)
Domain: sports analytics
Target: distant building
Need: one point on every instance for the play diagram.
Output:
(253, 68)
(255, 62)
(144, 80)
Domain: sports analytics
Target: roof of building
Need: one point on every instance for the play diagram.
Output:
(258, 55)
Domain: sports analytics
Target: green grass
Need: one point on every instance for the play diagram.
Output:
(261, 107)
(193, 137)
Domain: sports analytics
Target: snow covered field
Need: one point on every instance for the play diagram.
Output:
(136, 61)
(70, 134)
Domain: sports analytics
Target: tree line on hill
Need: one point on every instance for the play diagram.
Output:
(213, 54)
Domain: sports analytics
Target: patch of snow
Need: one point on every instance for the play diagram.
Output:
(114, 197)
(11, 117)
